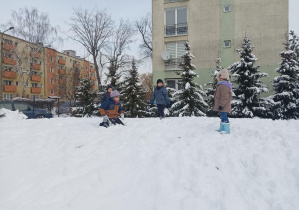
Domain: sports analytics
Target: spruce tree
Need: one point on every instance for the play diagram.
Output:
(133, 94)
(286, 86)
(190, 100)
(294, 44)
(114, 75)
(86, 97)
(247, 103)
(212, 88)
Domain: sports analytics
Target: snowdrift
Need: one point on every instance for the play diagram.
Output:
(10, 116)
(173, 164)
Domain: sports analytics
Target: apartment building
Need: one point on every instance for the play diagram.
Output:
(36, 71)
(215, 28)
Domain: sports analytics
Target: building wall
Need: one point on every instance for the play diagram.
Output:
(20, 64)
(266, 22)
(43, 73)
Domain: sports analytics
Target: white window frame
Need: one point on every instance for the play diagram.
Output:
(227, 6)
(51, 59)
(8, 96)
(51, 69)
(52, 80)
(177, 81)
(175, 19)
(34, 84)
(52, 91)
(173, 62)
(227, 41)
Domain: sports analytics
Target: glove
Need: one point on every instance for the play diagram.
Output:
(122, 115)
(167, 103)
(153, 101)
(220, 108)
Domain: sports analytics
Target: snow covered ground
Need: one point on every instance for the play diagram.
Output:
(173, 164)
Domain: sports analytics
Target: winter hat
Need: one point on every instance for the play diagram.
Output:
(159, 81)
(109, 87)
(223, 74)
(114, 93)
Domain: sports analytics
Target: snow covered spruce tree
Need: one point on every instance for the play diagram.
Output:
(286, 86)
(133, 94)
(294, 44)
(190, 101)
(85, 96)
(212, 88)
(247, 103)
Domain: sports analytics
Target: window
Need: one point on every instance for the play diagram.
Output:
(34, 97)
(7, 97)
(52, 91)
(7, 82)
(174, 83)
(51, 69)
(176, 21)
(51, 59)
(41, 85)
(17, 83)
(176, 51)
(23, 107)
(227, 43)
(52, 80)
(226, 9)
(34, 84)
(7, 68)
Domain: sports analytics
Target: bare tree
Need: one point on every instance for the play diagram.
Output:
(146, 80)
(35, 28)
(144, 27)
(115, 51)
(92, 29)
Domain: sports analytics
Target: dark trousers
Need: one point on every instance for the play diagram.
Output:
(113, 121)
(161, 108)
(223, 117)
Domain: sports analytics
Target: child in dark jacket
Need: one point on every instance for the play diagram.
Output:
(161, 96)
(222, 100)
(110, 109)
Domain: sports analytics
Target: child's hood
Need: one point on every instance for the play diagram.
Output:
(226, 83)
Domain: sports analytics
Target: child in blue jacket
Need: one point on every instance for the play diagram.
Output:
(161, 96)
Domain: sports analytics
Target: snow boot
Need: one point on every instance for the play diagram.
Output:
(221, 127)
(226, 128)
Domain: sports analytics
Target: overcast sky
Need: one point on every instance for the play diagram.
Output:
(59, 12)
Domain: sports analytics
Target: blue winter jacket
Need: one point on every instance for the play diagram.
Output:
(111, 108)
(161, 95)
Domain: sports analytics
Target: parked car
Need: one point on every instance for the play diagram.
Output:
(28, 110)
(66, 107)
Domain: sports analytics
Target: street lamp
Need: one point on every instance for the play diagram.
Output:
(1, 65)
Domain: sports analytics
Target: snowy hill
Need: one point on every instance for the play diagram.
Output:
(173, 164)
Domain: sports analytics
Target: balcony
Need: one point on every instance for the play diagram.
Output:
(37, 55)
(173, 64)
(36, 66)
(36, 78)
(7, 46)
(61, 81)
(62, 71)
(9, 61)
(61, 61)
(76, 65)
(176, 29)
(36, 90)
(10, 88)
(92, 70)
(92, 78)
(10, 75)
